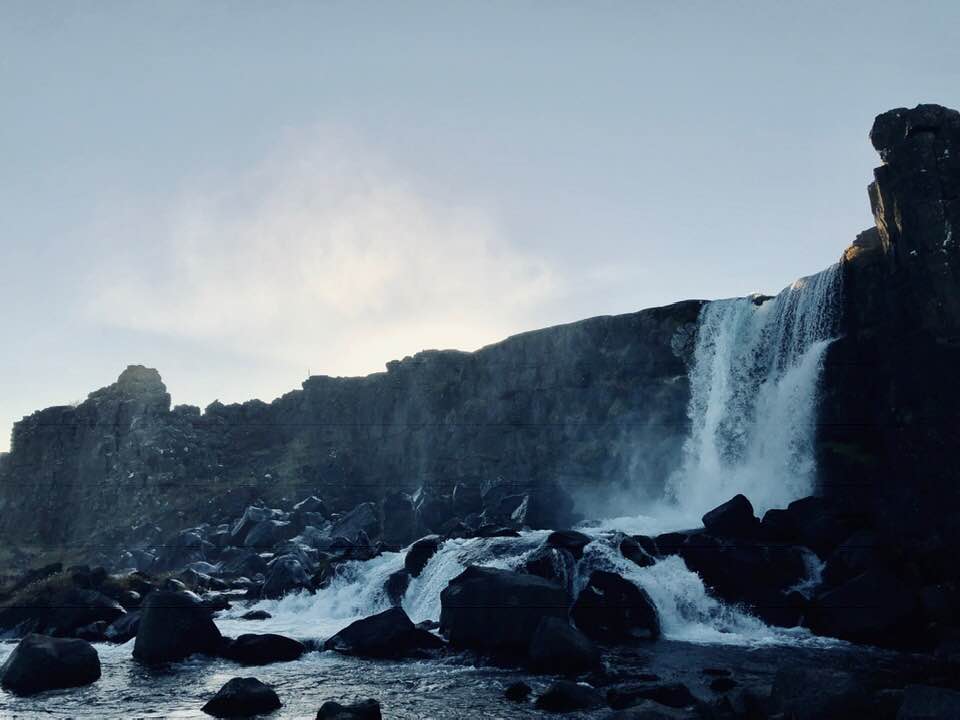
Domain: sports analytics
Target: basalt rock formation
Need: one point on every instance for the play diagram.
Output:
(564, 406)
(890, 415)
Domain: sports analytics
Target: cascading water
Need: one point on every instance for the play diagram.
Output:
(753, 401)
(754, 390)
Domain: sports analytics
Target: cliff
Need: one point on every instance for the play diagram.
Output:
(889, 424)
(568, 404)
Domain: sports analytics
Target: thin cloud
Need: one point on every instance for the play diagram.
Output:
(321, 256)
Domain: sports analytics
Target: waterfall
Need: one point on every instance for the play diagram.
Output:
(754, 391)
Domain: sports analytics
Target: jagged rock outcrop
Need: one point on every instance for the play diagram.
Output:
(568, 405)
(889, 424)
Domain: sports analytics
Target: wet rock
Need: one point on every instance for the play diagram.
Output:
(396, 587)
(399, 519)
(286, 575)
(565, 696)
(875, 608)
(722, 684)
(389, 634)
(363, 710)
(675, 695)
(613, 610)
(814, 694)
(558, 647)
(41, 663)
(635, 552)
(363, 518)
(922, 702)
(517, 692)
(264, 535)
(180, 550)
(173, 626)
(553, 564)
(244, 562)
(570, 540)
(733, 519)
(124, 628)
(262, 649)
(854, 556)
(242, 697)
(312, 504)
(252, 517)
(94, 632)
(129, 599)
(420, 553)
(433, 510)
(466, 499)
(812, 522)
(498, 610)
(256, 615)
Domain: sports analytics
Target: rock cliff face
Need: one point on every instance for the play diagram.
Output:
(568, 404)
(890, 419)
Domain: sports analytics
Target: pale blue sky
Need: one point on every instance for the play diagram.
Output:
(235, 193)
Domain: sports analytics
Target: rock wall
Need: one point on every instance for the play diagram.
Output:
(890, 426)
(590, 404)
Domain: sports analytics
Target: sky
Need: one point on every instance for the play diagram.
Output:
(240, 194)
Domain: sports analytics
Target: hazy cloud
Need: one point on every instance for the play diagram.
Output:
(324, 256)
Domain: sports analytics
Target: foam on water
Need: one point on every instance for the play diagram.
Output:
(754, 390)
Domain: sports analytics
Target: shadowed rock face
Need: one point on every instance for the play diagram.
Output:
(568, 404)
(890, 415)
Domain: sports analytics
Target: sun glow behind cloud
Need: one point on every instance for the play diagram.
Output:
(323, 256)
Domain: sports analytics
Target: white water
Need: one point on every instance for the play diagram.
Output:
(754, 392)
(753, 401)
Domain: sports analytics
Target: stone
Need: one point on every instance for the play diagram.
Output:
(41, 663)
(517, 692)
(420, 553)
(396, 586)
(558, 647)
(734, 519)
(675, 695)
(286, 575)
(174, 626)
(565, 696)
(262, 649)
(611, 609)
(256, 615)
(634, 551)
(389, 634)
(124, 628)
(498, 611)
(812, 694)
(242, 697)
(399, 519)
(363, 710)
(570, 540)
(363, 518)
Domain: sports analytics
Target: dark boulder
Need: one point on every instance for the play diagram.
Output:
(650, 710)
(433, 510)
(854, 556)
(364, 710)
(94, 632)
(565, 696)
(552, 563)
(173, 626)
(286, 575)
(264, 535)
(671, 694)
(876, 607)
(517, 692)
(638, 553)
(570, 540)
(420, 553)
(396, 586)
(242, 697)
(815, 524)
(389, 634)
(41, 663)
(79, 608)
(466, 499)
(399, 519)
(182, 549)
(243, 562)
(922, 702)
(734, 519)
(611, 609)
(362, 519)
(252, 516)
(558, 647)
(311, 504)
(498, 610)
(124, 628)
(256, 615)
(262, 649)
(814, 694)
